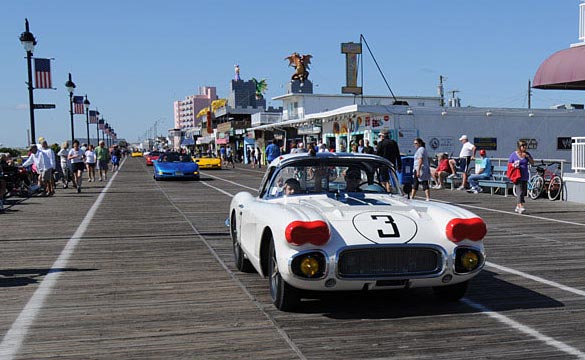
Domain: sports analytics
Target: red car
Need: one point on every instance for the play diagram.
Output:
(152, 156)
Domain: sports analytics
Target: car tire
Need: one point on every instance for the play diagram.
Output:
(451, 293)
(242, 264)
(284, 297)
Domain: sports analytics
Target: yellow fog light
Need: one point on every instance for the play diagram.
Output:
(309, 266)
(470, 260)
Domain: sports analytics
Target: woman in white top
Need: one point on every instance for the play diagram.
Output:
(90, 161)
(76, 157)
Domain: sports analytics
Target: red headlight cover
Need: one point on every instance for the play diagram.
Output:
(460, 229)
(302, 232)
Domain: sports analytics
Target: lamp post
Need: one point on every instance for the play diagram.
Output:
(86, 104)
(70, 85)
(105, 131)
(28, 41)
(97, 125)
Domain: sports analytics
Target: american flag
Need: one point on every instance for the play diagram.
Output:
(43, 74)
(93, 117)
(78, 105)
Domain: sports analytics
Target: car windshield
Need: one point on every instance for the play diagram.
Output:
(332, 176)
(174, 157)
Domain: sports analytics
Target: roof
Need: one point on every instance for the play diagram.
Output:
(563, 70)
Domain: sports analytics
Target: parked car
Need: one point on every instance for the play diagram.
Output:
(173, 165)
(324, 222)
(136, 153)
(208, 161)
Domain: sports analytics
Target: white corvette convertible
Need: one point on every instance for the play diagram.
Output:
(325, 222)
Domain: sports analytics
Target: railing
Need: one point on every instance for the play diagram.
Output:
(561, 163)
(578, 154)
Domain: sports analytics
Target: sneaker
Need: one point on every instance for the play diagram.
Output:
(516, 209)
(479, 189)
(451, 176)
(461, 188)
(101, 180)
(439, 187)
(78, 189)
(521, 210)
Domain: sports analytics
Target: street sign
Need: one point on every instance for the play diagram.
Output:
(43, 106)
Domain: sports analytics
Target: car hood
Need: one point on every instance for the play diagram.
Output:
(380, 219)
(173, 166)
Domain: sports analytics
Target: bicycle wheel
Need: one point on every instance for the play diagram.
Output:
(535, 186)
(555, 188)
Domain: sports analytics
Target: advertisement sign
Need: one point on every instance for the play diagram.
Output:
(486, 143)
(564, 143)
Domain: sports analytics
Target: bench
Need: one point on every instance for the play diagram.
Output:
(455, 181)
(499, 180)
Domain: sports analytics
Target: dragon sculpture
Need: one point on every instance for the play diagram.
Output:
(261, 87)
(301, 64)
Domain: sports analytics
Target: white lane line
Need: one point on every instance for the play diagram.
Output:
(231, 182)
(526, 330)
(14, 337)
(511, 213)
(537, 279)
(502, 318)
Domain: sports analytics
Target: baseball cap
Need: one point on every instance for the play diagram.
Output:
(463, 137)
(482, 152)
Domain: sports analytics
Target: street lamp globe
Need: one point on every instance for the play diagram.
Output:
(27, 39)
(70, 85)
(86, 103)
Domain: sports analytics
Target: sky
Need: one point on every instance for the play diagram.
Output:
(134, 58)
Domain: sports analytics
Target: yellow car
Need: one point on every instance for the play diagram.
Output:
(136, 153)
(208, 162)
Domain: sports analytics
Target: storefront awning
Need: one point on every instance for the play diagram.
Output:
(563, 70)
(187, 142)
(205, 140)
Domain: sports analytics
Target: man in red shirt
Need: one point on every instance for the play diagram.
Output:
(443, 170)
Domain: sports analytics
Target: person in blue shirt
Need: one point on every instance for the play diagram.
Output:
(483, 171)
(272, 151)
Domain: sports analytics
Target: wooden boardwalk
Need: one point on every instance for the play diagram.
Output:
(152, 277)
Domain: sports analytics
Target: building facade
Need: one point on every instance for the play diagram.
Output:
(185, 111)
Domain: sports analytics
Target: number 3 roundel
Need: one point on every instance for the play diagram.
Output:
(383, 227)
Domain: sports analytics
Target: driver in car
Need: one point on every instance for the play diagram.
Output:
(353, 178)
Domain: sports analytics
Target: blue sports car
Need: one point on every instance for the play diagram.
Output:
(173, 165)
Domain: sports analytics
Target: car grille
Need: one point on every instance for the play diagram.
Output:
(378, 262)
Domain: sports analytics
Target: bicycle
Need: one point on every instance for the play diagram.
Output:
(545, 178)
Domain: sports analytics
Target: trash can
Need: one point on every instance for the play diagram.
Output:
(405, 176)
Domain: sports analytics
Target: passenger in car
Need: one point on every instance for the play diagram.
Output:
(292, 186)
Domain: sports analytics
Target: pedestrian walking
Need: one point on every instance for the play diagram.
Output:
(116, 154)
(421, 169)
(520, 159)
(103, 158)
(90, 162)
(76, 157)
(272, 151)
(65, 164)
